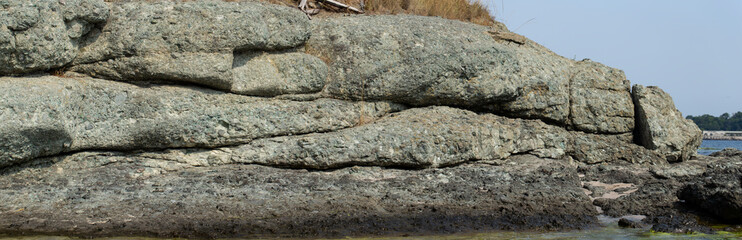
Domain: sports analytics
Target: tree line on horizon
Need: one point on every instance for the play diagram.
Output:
(725, 122)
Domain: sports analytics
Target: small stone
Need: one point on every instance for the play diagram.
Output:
(626, 223)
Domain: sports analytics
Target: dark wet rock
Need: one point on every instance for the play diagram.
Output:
(678, 223)
(105, 193)
(728, 153)
(627, 223)
(718, 191)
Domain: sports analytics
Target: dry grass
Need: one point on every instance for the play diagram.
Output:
(465, 10)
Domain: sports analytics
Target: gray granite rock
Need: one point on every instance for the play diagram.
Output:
(660, 126)
(42, 116)
(600, 99)
(432, 61)
(265, 74)
(416, 138)
(41, 35)
(201, 42)
(431, 137)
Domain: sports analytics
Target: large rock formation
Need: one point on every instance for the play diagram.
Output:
(661, 126)
(221, 119)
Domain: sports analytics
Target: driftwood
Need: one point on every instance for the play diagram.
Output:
(507, 36)
(304, 7)
(341, 5)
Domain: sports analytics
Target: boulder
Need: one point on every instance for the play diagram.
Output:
(42, 116)
(661, 127)
(44, 34)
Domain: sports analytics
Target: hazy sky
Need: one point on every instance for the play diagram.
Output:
(691, 49)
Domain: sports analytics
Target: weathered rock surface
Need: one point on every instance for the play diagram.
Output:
(415, 138)
(41, 35)
(429, 61)
(42, 116)
(211, 43)
(662, 127)
(600, 99)
(103, 194)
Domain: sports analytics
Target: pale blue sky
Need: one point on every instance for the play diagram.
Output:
(691, 49)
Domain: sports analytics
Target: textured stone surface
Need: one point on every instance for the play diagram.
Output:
(718, 191)
(196, 42)
(429, 61)
(415, 138)
(660, 126)
(264, 74)
(593, 148)
(432, 61)
(41, 116)
(104, 194)
(43, 34)
(600, 99)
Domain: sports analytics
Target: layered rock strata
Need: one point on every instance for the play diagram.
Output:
(244, 119)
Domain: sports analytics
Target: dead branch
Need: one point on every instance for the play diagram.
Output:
(341, 5)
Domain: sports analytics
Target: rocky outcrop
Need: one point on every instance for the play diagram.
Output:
(244, 119)
(661, 127)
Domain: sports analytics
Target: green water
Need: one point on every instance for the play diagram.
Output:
(610, 232)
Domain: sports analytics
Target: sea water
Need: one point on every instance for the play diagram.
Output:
(711, 146)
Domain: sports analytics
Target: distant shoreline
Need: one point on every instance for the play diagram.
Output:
(722, 135)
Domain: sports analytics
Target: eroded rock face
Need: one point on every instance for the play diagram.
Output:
(209, 43)
(660, 126)
(41, 35)
(429, 61)
(600, 99)
(42, 116)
